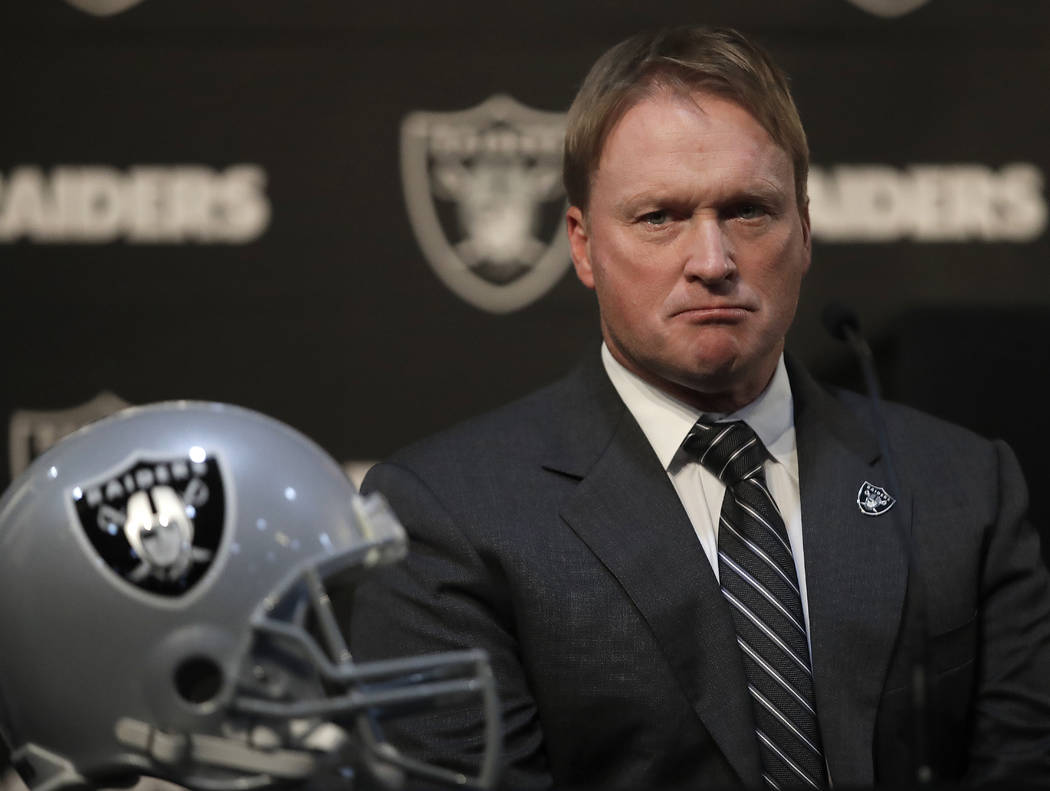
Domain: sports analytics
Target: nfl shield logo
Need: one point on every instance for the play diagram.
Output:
(874, 500)
(157, 523)
(485, 199)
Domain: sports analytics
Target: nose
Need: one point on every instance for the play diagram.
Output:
(708, 253)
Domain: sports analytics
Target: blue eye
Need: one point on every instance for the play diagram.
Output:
(749, 211)
(656, 217)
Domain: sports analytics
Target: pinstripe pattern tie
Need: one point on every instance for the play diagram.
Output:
(758, 579)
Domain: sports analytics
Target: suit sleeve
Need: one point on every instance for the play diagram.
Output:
(446, 595)
(1011, 736)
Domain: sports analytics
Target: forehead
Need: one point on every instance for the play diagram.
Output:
(671, 133)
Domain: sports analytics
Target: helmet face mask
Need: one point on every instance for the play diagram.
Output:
(164, 599)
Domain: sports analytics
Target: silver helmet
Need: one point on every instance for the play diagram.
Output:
(163, 612)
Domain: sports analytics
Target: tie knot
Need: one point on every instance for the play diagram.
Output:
(732, 450)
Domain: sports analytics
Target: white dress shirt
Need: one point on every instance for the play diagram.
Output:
(666, 421)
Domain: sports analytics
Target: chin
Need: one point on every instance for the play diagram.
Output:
(704, 375)
(711, 380)
(719, 360)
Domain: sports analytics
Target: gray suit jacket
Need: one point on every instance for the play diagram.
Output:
(548, 534)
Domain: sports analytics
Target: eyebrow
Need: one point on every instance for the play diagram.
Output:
(760, 189)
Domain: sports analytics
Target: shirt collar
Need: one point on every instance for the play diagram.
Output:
(666, 421)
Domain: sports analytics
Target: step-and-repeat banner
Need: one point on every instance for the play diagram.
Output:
(348, 215)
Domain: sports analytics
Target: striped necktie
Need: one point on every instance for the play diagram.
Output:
(757, 576)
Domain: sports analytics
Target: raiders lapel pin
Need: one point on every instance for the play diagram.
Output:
(874, 500)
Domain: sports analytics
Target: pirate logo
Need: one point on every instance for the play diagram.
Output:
(874, 500)
(484, 196)
(156, 523)
(103, 7)
(31, 432)
(889, 8)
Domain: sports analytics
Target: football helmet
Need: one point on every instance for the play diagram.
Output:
(164, 612)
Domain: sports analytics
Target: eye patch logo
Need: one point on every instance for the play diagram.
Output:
(484, 196)
(158, 523)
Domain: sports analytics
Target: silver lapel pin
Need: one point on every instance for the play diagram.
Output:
(874, 500)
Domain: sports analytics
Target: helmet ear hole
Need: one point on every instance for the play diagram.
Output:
(198, 680)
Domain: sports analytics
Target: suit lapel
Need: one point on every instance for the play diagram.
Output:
(856, 574)
(626, 510)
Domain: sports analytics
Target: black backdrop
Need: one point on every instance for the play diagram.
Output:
(302, 289)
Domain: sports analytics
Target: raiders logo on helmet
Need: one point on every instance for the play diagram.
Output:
(247, 680)
(156, 523)
(484, 195)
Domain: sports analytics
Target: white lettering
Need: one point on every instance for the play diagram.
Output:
(245, 210)
(24, 206)
(1019, 207)
(147, 204)
(457, 140)
(927, 203)
(191, 191)
(95, 205)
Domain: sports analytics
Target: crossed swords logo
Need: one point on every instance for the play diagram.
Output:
(157, 523)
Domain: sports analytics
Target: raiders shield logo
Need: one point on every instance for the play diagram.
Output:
(889, 8)
(31, 432)
(157, 523)
(484, 196)
(103, 7)
(874, 500)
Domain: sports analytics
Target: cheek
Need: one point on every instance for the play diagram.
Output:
(779, 280)
(632, 274)
(611, 271)
(631, 294)
(778, 262)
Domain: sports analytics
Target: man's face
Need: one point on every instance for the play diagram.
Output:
(695, 245)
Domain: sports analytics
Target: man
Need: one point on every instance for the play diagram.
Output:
(675, 599)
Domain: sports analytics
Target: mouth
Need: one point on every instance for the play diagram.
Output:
(722, 314)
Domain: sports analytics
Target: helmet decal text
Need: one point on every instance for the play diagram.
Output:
(158, 523)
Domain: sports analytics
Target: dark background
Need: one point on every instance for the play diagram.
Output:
(333, 319)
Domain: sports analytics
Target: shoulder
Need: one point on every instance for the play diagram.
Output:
(517, 426)
(504, 475)
(554, 423)
(913, 429)
(930, 453)
(851, 415)
(943, 460)
(952, 474)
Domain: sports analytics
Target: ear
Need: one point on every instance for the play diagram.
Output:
(579, 245)
(807, 235)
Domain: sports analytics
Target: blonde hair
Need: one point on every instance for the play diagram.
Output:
(686, 59)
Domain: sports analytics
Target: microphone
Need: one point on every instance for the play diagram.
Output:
(837, 319)
(842, 323)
